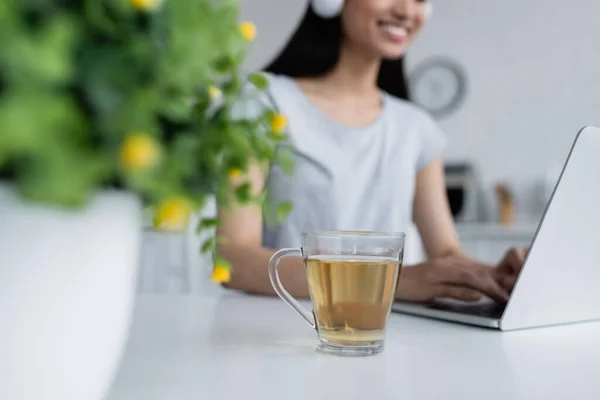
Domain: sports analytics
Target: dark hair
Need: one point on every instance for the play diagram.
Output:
(314, 50)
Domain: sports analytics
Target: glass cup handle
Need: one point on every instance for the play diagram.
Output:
(280, 290)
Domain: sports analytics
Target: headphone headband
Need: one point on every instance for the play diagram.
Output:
(327, 8)
(333, 8)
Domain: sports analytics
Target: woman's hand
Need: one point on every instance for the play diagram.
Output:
(454, 277)
(508, 269)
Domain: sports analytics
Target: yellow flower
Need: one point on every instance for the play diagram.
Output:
(279, 123)
(214, 93)
(248, 31)
(235, 173)
(145, 4)
(221, 273)
(139, 151)
(173, 214)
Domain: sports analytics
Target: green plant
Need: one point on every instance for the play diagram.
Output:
(132, 94)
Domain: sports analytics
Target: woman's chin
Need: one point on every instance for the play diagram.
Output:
(392, 52)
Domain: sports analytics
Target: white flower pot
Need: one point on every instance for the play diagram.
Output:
(67, 285)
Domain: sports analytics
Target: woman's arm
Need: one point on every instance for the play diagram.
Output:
(449, 272)
(432, 213)
(434, 220)
(242, 229)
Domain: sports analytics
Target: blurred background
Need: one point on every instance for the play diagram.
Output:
(510, 82)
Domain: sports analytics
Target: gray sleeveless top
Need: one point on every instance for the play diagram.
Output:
(348, 178)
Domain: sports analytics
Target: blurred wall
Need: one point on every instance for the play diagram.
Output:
(276, 20)
(533, 68)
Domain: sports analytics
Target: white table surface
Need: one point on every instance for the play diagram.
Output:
(241, 347)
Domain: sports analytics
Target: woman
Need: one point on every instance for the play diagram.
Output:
(366, 159)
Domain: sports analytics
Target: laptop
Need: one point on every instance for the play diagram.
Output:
(560, 279)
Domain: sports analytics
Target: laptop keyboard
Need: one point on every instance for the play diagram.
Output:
(487, 310)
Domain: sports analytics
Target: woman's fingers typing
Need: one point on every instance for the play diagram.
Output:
(475, 277)
(513, 261)
(457, 292)
(516, 257)
(509, 268)
(451, 277)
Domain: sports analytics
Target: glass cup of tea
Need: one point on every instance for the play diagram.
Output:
(352, 280)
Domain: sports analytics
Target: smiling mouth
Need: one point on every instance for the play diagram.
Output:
(393, 31)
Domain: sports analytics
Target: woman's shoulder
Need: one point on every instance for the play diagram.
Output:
(407, 112)
(418, 122)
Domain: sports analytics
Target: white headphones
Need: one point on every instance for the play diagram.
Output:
(333, 8)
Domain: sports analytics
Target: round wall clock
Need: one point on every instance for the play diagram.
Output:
(438, 85)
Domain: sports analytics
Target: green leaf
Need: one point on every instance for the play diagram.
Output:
(267, 212)
(223, 196)
(285, 158)
(259, 80)
(283, 210)
(43, 57)
(269, 115)
(208, 245)
(207, 223)
(222, 263)
(223, 64)
(243, 193)
(276, 137)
